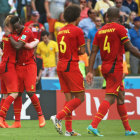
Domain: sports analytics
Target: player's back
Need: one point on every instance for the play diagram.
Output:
(69, 39)
(25, 56)
(110, 40)
(9, 53)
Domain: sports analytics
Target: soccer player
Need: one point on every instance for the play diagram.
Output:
(26, 67)
(111, 40)
(71, 44)
(9, 83)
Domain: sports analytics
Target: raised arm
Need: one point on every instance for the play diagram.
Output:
(32, 44)
(17, 45)
(33, 5)
(128, 45)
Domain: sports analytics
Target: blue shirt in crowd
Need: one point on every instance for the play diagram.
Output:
(135, 37)
(86, 24)
(91, 36)
(133, 6)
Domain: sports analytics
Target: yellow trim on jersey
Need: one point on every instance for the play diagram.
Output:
(12, 92)
(126, 41)
(68, 109)
(112, 93)
(82, 45)
(124, 37)
(101, 114)
(65, 112)
(78, 91)
(98, 117)
(125, 120)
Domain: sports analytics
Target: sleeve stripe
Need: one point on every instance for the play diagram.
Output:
(124, 37)
(82, 45)
(125, 41)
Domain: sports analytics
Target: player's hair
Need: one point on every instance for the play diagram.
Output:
(113, 13)
(71, 13)
(7, 20)
(14, 20)
(43, 33)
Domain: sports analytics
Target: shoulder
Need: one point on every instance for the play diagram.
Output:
(41, 43)
(53, 42)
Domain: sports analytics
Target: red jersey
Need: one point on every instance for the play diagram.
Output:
(25, 56)
(110, 39)
(69, 39)
(36, 28)
(9, 53)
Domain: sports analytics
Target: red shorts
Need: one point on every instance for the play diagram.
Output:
(71, 81)
(114, 82)
(9, 80)
(27, 77)
(51, 23)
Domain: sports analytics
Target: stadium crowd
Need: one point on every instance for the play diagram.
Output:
(45, 19)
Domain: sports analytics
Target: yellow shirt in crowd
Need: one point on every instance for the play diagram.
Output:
(48, 53)
(138, 2)
(102, 6)
(56, 25)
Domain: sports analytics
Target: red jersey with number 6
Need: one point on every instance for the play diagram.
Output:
(110, 39)
(70, 38)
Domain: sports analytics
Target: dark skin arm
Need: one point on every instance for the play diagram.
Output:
(128, 45)
(81, 50)
(15, 44)
(93, 54)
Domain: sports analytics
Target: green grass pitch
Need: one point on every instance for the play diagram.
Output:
(111, 129)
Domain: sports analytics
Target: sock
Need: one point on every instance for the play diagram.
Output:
(1, 103)
(8, 101)
(68, 121)
(103, 109)
(36, 103)
(17, 108)
(123, 114)
(69, 107)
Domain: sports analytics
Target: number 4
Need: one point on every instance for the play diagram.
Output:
(106, 45)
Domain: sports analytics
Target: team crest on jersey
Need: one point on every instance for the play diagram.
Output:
(32, 87)
(23, 37)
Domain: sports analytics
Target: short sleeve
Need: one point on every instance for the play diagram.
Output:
(123, 34)
(95, 41)
(81, 39)
(56, 47)
(25, 36)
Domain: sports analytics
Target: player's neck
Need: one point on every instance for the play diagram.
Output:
(73, 23)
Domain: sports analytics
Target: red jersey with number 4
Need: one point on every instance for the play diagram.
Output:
(9, 53)
(70, 38)
(26, 56)
(110, 39)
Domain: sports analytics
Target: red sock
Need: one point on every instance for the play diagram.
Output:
(68, 121)
(17, 108)
(8, 101)
(1, 103)
(104, 106)
(36, 103)
(69, 107)
(123, 114)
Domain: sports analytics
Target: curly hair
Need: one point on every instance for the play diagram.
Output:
(72, 13)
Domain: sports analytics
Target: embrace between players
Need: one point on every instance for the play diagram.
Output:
(111, 40)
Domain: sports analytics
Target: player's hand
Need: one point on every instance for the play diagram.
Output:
(89, 77)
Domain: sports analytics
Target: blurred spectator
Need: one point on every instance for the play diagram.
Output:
(88, 23)
(138, 3)
(12, 6)
(91, 3)
(40, 68)
(4, 11)
(135, 39)
(40, 6)
(91, 35)
(54, 8)
(34, 25)
(102, 6)
(83, 64)
(131, 19)
(48, 50)
(84, 9)
(105, 19)
(59, 24)
(124, 11)
(131, 4)
(74, 2)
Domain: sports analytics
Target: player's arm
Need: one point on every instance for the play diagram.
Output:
(32, 44)
(17, 45)
(81, 50)
(128, 45)
(88, 45)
